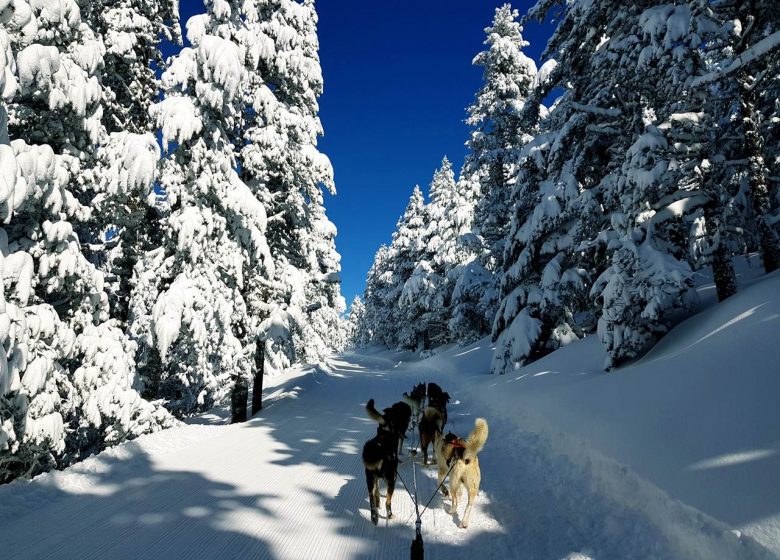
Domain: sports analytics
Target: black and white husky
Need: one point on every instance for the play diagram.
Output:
(380, 453)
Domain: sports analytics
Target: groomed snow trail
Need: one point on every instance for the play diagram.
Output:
(289, 484)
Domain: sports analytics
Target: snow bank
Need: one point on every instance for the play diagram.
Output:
(695, 420)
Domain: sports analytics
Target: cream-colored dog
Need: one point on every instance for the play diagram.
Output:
(459, 458)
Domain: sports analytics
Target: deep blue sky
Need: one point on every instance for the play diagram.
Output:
(398, 78)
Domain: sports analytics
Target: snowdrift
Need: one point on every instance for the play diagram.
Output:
(697, 417)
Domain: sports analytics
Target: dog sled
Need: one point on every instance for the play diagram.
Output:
(422, 410)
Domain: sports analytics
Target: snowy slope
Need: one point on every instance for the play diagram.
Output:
(696, 417)
(661, 459)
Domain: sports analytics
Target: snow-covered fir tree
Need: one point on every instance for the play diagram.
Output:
(425, 297)
(282, 165)
(189, 312)
(53, 410)
(577, 174)
(356, 335)
(393, 266)
(380, 300)
(406, 251)
(124, 218)
(554, 199)
(499, 131)
(743, 78)
(468, 283)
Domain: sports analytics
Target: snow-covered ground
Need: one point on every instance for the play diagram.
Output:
(675, 456)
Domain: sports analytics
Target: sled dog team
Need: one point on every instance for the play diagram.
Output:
(454, 455)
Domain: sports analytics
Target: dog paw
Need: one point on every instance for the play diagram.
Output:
(375, 518)
(390, 515)
(464, 525)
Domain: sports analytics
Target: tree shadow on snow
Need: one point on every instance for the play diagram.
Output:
(131, 510)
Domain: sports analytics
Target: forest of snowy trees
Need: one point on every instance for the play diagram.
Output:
(144, 281)
(658, 155)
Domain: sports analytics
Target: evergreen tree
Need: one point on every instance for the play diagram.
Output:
(425, 298)
(124, 221)
(357, 336)
(405, 253)
(282, 165)
(34, 341)
(386, 311)
(188, 305)
(745, 75)
(592, 160)
(53, 411)
(556, 204)
(499, 131)
(380, 305)
(456, 250)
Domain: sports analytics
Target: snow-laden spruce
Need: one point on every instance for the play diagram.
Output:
(424, 299)
(499, 130)
(54, 297)
(283, 167)
(189, 308)
(124, 217)
(393, 267)
(380, 300)
(588, 162)
(356, 335)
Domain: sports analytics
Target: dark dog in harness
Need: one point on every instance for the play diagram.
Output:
(438, 399)
(416, 399)
(434, 417)
(399, 415)
(380, 454)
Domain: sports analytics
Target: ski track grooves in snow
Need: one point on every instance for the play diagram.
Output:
(290, 484)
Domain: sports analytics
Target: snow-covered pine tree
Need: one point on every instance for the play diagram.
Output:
(131, 31)
(283, 167)
(469, 285)
(555, 198)
(425, 298)
(357, 337)
(498, 133)
(188, 308)
(381, 300)
(595, 163)
(406, 251)
(669, 193)
(744, 75)
(42, 260)
(33, 339)
(124, 218)
(676, 171)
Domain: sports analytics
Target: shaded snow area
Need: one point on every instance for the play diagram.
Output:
(673, 457)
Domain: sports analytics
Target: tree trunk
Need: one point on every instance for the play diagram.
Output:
(257, 384)
(238, 401)
(722, 267)
(768, 244)
(723, 272)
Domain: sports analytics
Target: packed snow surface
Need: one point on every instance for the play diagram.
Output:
(675, 456)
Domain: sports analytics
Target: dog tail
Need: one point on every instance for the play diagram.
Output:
(374, 413)
(411, 402)
(478, 437)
